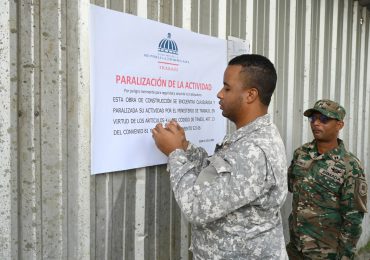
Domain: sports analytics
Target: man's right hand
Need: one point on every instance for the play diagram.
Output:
(173, 126)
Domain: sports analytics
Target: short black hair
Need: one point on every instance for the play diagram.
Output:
(259, 73)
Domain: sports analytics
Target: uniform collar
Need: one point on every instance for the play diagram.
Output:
(335, 154)
(256, 124)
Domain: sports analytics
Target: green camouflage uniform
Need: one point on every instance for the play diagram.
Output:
(329, 201)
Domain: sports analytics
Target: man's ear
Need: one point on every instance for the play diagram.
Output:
(251, 95)
(340, 125)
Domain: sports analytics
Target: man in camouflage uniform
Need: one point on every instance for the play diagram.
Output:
(232, 199)
(329, 191)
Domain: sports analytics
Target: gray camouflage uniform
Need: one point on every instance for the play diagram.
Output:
(232, 199)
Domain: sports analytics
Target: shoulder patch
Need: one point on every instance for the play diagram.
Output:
(360, 195)
(362, 188)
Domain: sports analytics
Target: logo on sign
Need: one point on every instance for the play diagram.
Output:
(167, 45)
(167, 55)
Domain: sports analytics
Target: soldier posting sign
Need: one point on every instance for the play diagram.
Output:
(143, 73)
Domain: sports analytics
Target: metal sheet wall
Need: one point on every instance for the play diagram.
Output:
(50, 205)
(44, 130)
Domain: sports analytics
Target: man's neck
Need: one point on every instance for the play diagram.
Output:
(250, 116)
(323, 147)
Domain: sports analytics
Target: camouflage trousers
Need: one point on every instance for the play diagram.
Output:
(295, 254)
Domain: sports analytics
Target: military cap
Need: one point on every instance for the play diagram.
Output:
(328, 108)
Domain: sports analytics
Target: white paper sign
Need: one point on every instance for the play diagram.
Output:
(143, 73)
(236, 47)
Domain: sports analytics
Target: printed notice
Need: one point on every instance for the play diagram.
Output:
(144, 73)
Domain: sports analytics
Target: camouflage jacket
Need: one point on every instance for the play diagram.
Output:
(329, 201)
(233, 198)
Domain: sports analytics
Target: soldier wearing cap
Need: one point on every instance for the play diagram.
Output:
(329, 190)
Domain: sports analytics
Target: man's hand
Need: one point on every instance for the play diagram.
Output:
(171, 125)
(170, 138)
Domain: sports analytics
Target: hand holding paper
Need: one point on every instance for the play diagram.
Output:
(170, 137)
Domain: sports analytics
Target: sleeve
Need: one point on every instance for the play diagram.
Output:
(290, 172)
(352, 205)
(194, 157)
(238, 179)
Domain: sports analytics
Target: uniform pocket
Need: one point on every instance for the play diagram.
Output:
(330, 178)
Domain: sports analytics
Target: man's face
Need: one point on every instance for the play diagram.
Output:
(323, 128)
(231, 95)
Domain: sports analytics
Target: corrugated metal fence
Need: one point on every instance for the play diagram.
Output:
(50, 206)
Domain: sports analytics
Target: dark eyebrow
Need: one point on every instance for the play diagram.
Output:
(225, 83)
